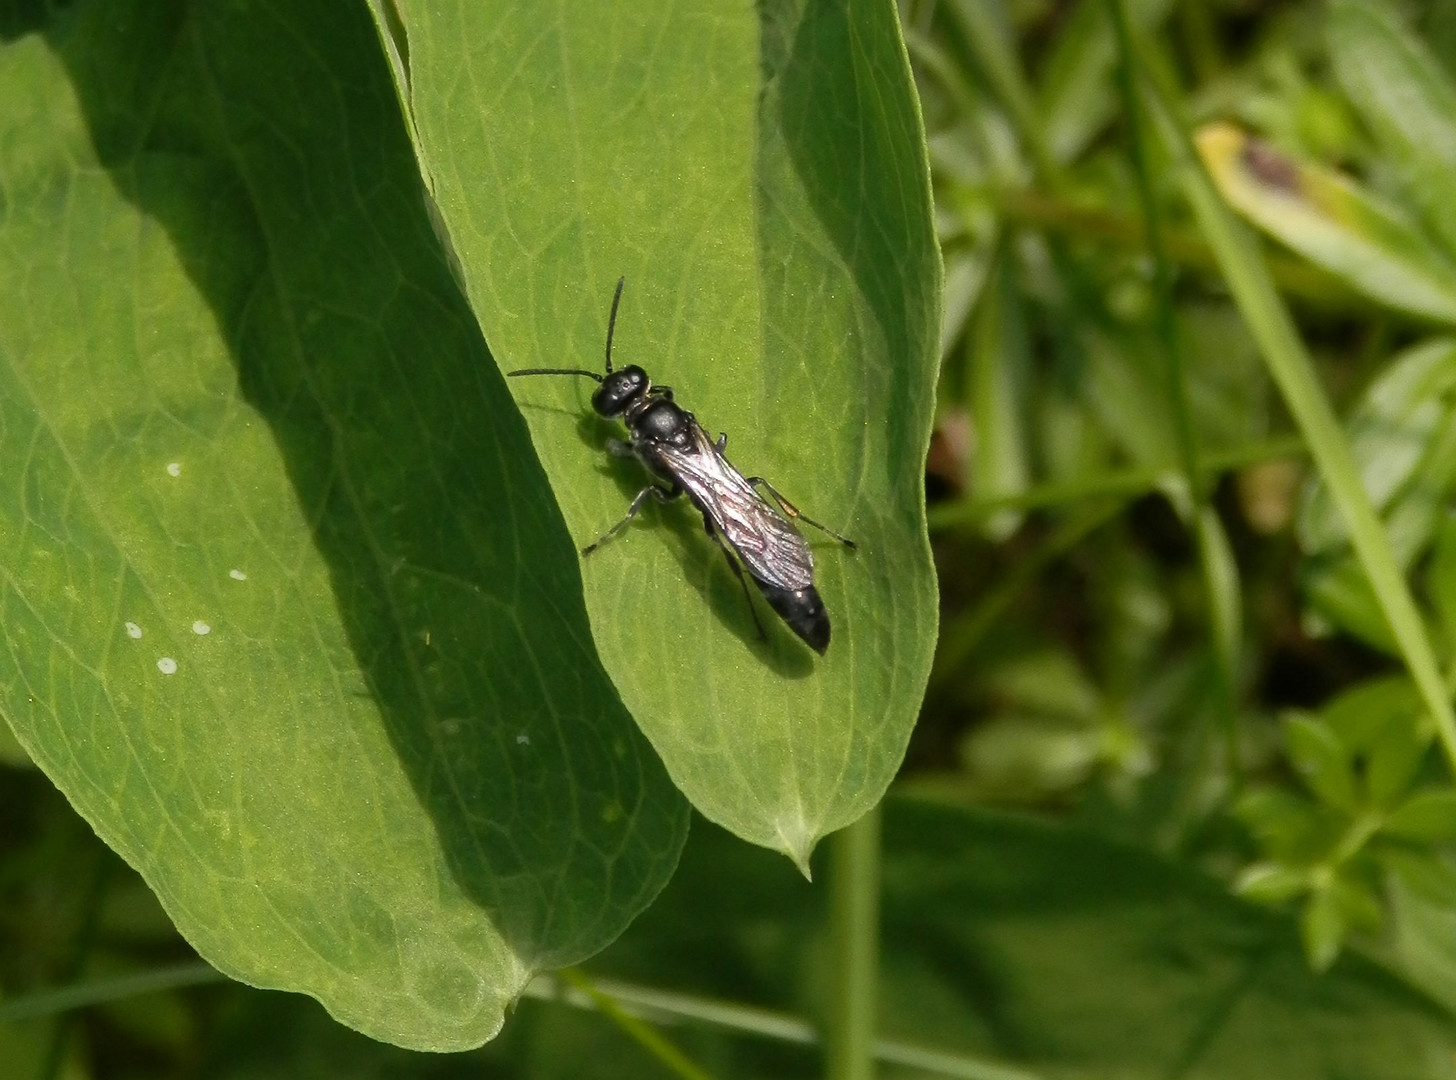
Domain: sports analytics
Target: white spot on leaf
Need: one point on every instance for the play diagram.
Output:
(523, 739)
(237, 575)
(167, 666)
(174, 468)
(200, 627)
(133, 630)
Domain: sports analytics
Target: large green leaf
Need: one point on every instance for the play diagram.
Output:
(287, 611)
(757, 173)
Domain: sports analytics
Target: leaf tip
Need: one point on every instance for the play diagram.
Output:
(802, 862)
(797, 839)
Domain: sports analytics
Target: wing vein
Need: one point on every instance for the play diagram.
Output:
(771, 549)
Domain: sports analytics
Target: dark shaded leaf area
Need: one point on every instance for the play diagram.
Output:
(290, 615)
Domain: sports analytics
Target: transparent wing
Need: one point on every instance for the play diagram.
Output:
(771, 548)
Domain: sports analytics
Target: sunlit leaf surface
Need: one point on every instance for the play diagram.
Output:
(757, 174)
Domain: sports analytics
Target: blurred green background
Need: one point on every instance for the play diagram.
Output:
(1179, 802)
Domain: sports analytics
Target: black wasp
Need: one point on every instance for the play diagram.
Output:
(675, 449)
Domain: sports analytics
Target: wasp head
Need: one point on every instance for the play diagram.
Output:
(619, 389)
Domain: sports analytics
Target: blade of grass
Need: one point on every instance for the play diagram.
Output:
(666, 1007)
(1130, 482)
(998, 358)
(81, 995)
(641, 1032)
(1293, 371)
(1002, 70)
(662, 1007)
(1223, 607)
(935, 61)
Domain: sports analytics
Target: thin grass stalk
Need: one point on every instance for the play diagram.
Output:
(653, 1004)
(1002, 70)
(1130, 483)
(1224, 612)
(637, 1029)
(1293, 372)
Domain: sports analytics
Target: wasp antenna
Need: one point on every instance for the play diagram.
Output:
(553, 371)
(612, 320)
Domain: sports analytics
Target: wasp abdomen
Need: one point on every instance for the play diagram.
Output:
(802, 611)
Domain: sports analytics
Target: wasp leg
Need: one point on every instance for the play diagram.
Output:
(722, 443)
(793, 511)
(650, 491)
(738, 573)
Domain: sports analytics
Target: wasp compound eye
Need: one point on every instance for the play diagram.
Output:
(620, 389)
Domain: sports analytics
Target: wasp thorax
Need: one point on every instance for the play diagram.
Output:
(662, 421)
(618, 389)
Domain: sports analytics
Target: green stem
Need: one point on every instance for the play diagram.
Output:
(82, 995)
(1199, 36)
(637, 1029)
(855, 930)
(1001, 69)
(1222, 606)
(666, 1006)
(1128, 483)
(650, 1002)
